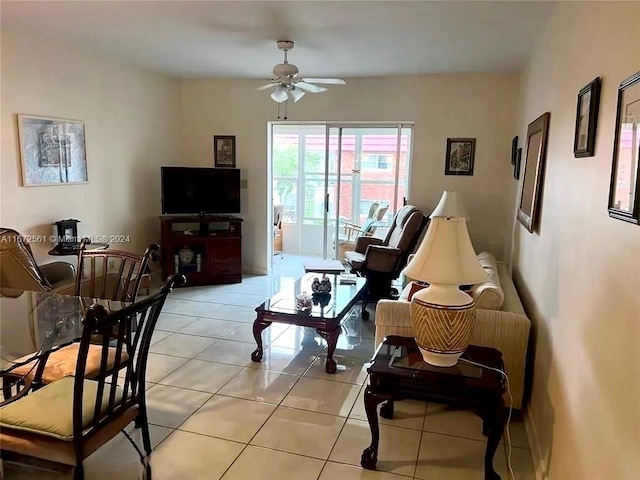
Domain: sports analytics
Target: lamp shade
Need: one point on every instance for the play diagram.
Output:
(450, 205)
(446, 256)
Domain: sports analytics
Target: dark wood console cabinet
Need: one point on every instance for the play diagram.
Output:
(206, 249)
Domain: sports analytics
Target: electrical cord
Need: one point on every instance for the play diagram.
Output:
(512, 475)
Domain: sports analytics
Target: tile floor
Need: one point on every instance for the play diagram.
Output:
(215, 414)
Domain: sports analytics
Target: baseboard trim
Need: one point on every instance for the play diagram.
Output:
(539, 468)
(254, 271)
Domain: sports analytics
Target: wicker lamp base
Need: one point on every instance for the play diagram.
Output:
(442, 332)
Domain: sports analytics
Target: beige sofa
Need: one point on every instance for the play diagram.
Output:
(501, 321)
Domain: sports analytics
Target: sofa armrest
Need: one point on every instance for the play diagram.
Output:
(362, 243)
(509, 333)
(59, 274)
(393, 317)
(506, 331)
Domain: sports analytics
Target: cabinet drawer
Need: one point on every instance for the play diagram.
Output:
(224, 249)
(225, 269)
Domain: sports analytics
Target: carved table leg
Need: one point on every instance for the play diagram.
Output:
(331, 336)
(386, 411)
(370, 454)
(493, 426)
(258, 326)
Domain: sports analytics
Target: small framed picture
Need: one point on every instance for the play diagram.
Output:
(224, 151)
(587, 119)
(460, 154)
(514, 150)
(516, 166)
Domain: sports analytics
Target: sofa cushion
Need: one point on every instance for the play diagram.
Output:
(488, 294)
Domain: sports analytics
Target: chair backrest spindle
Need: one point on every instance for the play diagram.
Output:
(111, 392)
(111, 274)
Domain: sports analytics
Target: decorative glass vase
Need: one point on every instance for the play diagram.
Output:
(186, 256)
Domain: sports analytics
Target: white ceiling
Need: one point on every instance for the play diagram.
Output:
(201, 39)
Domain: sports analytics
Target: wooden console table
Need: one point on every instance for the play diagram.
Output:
(206, 249)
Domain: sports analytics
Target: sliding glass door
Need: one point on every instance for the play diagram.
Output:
(333, 183)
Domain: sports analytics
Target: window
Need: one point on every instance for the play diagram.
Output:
(376, 161)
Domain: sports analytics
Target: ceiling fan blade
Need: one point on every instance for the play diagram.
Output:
(296, 94)
(309, 87)
(327, 81)
(267, 86)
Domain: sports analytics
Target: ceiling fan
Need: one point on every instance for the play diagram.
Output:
(288, 86)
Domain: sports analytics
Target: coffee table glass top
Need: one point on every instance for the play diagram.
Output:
(332, 306)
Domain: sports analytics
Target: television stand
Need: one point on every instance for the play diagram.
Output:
(207, 249)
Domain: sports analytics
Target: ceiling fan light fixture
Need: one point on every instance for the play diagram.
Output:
(280, 94)
(296, 94)
(288, 85)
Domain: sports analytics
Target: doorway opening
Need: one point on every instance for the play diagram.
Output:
(332, 183)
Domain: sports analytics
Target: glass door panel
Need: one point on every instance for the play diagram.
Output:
(336, 183)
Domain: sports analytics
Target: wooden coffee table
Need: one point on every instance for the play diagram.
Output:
(325, 316)
(398, 372)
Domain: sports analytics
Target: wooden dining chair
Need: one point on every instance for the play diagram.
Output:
(111, 274)
(105, 274)
(64, 422)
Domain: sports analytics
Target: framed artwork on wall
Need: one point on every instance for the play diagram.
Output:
(224, 151)
(529, 208)
(514, 150)
(460, 156)
(516, 166)
(52, 151)
(584, 140)
(624, 203)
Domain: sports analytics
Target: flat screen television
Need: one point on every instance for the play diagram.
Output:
(197, 190)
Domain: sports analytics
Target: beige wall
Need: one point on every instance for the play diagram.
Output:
(132, 126)
(578, 276)
(463, 105)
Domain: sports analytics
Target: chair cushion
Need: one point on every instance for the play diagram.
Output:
(488, 294)
(62, 363)
(355, 259)
(49, 410)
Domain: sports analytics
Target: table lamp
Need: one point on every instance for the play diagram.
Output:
(442, 314)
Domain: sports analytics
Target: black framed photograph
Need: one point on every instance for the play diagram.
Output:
(224, 151)
(514, 150)
(460, 155)
(584, 140)
(624, 199)
(533, 175)
(516, 165)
